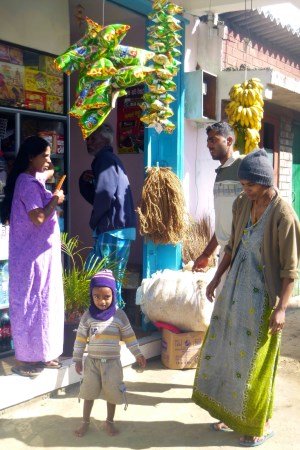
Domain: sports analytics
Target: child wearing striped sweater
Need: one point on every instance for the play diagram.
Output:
(104, 326)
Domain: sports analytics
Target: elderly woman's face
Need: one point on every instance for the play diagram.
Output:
(252, 190)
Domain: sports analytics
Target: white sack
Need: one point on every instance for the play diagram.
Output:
(178, 298)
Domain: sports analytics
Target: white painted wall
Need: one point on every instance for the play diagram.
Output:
(39, 24)
(199, 168)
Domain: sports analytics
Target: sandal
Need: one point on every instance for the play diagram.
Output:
(27, 371)
(220, 426)
(54, 364)
(261, 440)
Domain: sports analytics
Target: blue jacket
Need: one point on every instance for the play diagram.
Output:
(110, 195)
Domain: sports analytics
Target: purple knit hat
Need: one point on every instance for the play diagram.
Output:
(104, 278)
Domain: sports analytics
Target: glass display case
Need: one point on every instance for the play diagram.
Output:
(34, 99)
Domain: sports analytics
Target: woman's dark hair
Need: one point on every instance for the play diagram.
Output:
(31, 147)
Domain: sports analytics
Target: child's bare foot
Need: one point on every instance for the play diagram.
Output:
(83, 429)
(110, 429)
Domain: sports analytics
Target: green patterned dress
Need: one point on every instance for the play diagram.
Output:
(235, 376)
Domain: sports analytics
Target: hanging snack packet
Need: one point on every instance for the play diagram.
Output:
(171, 8)
(89, 90)
(72, 59)
(157, 46)
(98, 97)
(161, 59)
(158, 17)
(164, 74)
(168, 126)
(85, 83)
(93, 28)
(102, 69)
(166, 98)
(91, 120)
(129, 76)
(77, 111)
(130, 56)
(111, 35)
(159, 4)
(161, 86)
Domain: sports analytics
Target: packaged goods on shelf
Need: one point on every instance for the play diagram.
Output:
(35, 80)
(12, 84)
(60, 144)
(48, 66)
(50, 137)
(54, 104)
(55, 85)
(35, 100)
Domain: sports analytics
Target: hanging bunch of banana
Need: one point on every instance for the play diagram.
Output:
(245, 112)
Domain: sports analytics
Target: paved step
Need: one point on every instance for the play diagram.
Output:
(16, 389)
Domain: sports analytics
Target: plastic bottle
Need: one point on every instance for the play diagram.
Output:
(4, 284)
(5, 332)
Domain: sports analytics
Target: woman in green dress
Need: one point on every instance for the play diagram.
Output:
(235, 376)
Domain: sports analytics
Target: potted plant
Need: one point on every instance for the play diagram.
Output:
(76, 282)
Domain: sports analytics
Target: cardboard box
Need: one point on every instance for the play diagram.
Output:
(180, 351)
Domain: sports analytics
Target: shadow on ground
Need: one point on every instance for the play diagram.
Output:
(57, 431)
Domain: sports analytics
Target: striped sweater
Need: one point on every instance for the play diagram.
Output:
(104, 337)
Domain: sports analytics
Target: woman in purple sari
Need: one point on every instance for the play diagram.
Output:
(35, 275)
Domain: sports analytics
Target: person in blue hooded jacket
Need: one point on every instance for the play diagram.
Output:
(106, 187)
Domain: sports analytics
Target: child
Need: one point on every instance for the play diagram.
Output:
(105, 326)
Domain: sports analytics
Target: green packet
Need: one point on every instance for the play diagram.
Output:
(124, 55)
(92, 119)
(131, 75)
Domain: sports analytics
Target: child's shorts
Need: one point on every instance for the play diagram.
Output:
(103, 378)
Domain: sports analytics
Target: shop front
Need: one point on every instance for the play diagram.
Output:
(137, 147)
(34, 98)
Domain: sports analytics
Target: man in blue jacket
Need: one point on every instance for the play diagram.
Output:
(107, 188)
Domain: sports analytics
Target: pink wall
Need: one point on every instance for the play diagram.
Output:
(79, 159)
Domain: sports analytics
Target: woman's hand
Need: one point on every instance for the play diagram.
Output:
(210, 290)
(277, 320)
(200, 263)
(60, 196)
(78, 367)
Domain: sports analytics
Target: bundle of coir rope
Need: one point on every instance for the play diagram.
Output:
(162, 212)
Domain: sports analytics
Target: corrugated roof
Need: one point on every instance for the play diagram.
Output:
(262, 27)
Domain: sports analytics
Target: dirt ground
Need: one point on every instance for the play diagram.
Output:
(160, 415)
